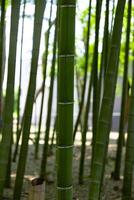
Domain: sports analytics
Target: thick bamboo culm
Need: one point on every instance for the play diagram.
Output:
(66, 29)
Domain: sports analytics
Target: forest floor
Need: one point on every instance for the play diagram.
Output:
(111, 190)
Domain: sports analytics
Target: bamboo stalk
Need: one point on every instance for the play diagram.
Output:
(20, 72)
(53, 134)
(85, 129)
(37, 189)
(48, 121)
(79, 92)
(104, 123)
(129, 159)
(85, 124)
(66, 37)
(39, 13)
(95, 75)
(9, 99)
(45, 60)
(19, 91)
(104, 54)
(86, 70)
(2, 28)
(123, 99)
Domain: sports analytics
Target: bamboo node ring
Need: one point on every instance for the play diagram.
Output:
(94, 181)
(65, 147)
(65, 188)
(66, 55)
(67, 103)
(98, 163)
(68, 6)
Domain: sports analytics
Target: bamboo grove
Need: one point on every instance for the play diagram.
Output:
(67, 99)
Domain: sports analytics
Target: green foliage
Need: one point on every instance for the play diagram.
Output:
(80, 61)
(8, 2)
(80, 58)
(83, 20)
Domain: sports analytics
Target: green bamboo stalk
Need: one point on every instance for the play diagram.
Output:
(9, 164)
(2, 28)
(45, 59)
(9, 99)
(112, 21)
(124, 99)
(85, 129)
(66, 37)
(18, 131)
(85, 72)
(105, 53)
(129, 158)
(39, 13)
(104, 123)
(48, 121)
(79, 88)
(20, 72)
(85, 126)
(78, 85)
(106, 36)
(17, 142)
(95, 73)
(53, 134)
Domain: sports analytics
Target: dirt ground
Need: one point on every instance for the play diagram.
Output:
(111, 190)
